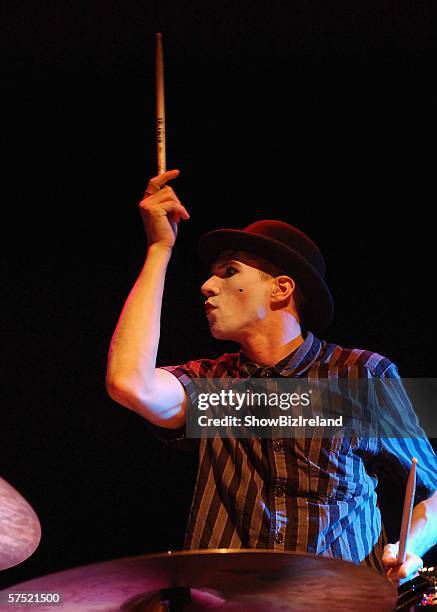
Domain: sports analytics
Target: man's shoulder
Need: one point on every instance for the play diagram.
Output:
(205, 367)
(336, 356)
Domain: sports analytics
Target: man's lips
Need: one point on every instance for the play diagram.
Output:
(209, 307)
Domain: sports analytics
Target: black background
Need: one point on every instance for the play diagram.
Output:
(320, 114)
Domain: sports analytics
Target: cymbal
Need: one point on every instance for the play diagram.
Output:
(20, 530)
(223, 579)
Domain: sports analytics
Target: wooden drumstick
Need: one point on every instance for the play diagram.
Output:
(160, 104)
(407, 512)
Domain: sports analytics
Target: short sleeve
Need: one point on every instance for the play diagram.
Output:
(176, 438)
(402, 437)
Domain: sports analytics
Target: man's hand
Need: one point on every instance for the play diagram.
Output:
(161, 211)
(400, 573)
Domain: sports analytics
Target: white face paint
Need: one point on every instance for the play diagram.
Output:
(240, 296)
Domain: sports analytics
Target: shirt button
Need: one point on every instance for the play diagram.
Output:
(277, 446)
(268, 373)
(278, 538)
(279, 491)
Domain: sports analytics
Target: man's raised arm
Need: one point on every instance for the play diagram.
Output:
(132, 378)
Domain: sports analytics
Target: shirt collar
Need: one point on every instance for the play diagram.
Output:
(294, 364)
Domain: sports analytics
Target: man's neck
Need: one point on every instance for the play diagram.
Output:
(267, 351)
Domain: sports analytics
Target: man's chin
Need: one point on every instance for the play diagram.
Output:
(220, 334)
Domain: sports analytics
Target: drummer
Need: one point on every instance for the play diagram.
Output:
(267, 293)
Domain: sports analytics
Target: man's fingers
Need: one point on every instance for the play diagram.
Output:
(389, 560)
(163, 195)
(166, 196)
(411, 566)
(402, 573)
(166, 193)
(157, 182)
(396, 572)
(168, 206)
(390, 554)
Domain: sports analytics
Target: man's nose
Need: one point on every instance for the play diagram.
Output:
(210, 286)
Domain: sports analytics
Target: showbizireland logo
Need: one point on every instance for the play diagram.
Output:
(236, 400)
(283, 420)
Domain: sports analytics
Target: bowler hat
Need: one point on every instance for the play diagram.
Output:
(292, 251)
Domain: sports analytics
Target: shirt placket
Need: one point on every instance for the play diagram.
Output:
(278, 482)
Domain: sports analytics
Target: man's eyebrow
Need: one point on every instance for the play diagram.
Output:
(222, 263)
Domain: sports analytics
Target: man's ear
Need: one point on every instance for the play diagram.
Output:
(283, 287)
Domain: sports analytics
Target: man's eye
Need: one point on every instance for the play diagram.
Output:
(230, 270)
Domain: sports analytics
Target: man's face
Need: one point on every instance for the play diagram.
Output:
(240, 295)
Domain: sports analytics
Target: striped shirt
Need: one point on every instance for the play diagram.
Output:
(313, 495)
